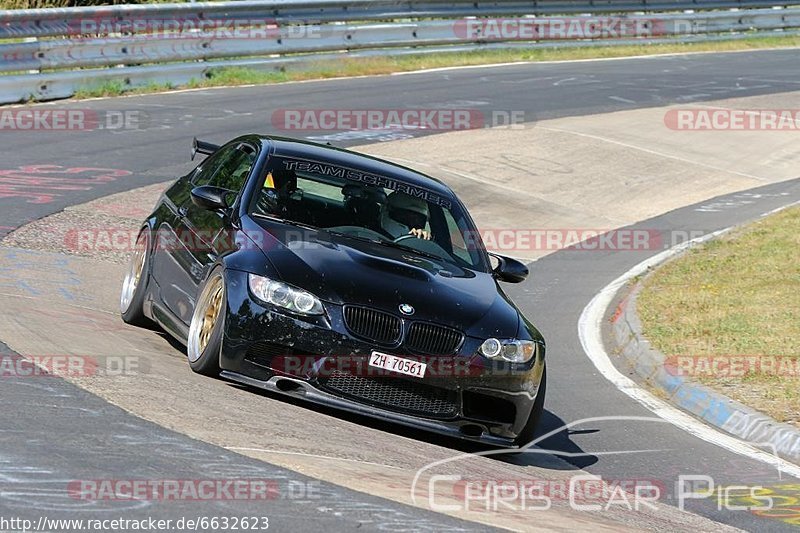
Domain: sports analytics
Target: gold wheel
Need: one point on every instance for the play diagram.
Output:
(135, 270)
(210, 318)
(205, 317)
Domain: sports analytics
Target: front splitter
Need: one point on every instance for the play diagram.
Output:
(297, 388)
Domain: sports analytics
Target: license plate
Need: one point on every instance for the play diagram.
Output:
(397, 364)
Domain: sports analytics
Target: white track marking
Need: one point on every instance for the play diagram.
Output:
(653, 152)
(779, 209)
(476, 179)
(563, 80)
(589, 332)
(621, 99)
(592, 60)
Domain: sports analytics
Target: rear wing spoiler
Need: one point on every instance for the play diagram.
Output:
(202, 147)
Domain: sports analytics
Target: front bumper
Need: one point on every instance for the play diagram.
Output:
(304, 390)
(315, 358)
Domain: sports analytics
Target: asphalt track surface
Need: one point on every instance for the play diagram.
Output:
(558, 289)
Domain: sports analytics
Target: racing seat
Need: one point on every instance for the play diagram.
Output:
(364, 205)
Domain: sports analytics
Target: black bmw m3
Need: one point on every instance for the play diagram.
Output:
(341, 279)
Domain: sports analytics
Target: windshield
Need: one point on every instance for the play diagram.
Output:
(364, 206)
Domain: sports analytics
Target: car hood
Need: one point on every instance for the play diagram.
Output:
(341, 270)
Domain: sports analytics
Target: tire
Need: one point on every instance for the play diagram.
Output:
(205, 331)
(134, 288)
(529, 431)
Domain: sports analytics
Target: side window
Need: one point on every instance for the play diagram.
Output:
(227, 168)
(205, 171)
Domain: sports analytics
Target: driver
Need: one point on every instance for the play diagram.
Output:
(405, 215)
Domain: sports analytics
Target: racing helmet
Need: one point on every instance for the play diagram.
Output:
(404, 212)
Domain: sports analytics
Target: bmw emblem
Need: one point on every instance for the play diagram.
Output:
(406, 309)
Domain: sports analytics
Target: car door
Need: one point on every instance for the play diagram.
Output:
(167, 272)
(197, 235)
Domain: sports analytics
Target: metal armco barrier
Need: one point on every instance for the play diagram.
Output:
(50, 53)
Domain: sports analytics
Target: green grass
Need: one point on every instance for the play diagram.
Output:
(738, 295)
(241, 76)
(387, 65)
(118, 88)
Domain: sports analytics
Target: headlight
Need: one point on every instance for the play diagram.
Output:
(513, 350)
(285, 296)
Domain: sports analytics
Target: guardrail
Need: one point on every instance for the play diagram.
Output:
(50, 53)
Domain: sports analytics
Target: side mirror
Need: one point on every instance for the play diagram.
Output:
(510, 270)
(210, 198)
